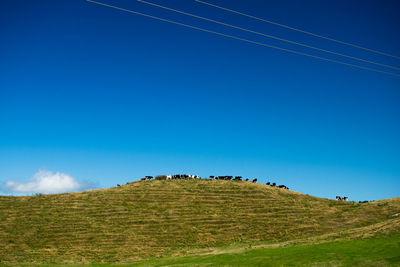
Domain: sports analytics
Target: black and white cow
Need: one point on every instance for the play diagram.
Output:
(238, 178)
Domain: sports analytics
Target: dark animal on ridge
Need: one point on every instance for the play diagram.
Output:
(283, 186)
(238, 178)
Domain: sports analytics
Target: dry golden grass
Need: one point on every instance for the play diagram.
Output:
(158, 218)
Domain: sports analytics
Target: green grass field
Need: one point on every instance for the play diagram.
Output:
(197, 222)
(364, 252)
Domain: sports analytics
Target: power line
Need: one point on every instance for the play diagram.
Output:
(269, 36)
(299, 30)
(242, 39)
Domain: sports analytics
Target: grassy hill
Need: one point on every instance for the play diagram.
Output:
(148, 219)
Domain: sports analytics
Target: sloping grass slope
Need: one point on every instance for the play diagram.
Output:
(158, 218)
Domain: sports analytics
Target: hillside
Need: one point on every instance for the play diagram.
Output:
(160, 218)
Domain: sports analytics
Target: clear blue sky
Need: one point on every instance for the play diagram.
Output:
(108, 97)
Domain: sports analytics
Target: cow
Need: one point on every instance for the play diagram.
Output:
(338, 198)
(143, 179)
(273, 184)
(247, 179)
(268, 183)
(118, 185)
(254, 180)
(212, 176)
(238, 178)
(345, 198)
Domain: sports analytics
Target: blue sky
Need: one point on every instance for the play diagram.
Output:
(108, 97)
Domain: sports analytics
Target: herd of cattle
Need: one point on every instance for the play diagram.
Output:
(234, 178)
(189, 176)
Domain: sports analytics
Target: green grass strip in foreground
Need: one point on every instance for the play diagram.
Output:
(365, 252)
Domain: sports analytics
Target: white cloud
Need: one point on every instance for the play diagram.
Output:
(46, 182)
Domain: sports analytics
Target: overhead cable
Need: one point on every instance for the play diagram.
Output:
(269, 36)
(242, 39)
(299, 30)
